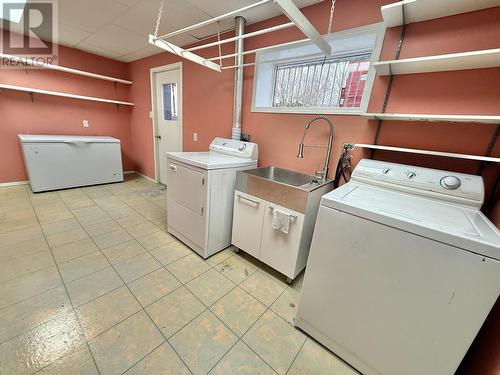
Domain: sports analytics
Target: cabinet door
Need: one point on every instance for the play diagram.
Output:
(280, 250)
(247, 222)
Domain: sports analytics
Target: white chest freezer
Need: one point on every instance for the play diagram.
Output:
(63, 161)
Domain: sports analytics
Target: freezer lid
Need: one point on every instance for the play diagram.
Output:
(452, 224)
(45, 138)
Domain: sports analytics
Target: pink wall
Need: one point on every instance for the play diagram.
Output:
(54, 115)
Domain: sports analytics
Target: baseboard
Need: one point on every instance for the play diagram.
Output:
(13, 183)
(146, 177)
(128, 172)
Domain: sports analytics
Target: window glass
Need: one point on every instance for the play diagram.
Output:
(169, 101)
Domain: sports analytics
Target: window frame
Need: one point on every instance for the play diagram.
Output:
(379, 28)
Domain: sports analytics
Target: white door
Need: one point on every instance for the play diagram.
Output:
(168, 107)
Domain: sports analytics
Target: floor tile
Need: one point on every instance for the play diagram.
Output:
(140, 230)
(136, 267)
(96, 218)
(236, 268)
(74, 250)
(109, 239)
(163, 360)
(82, 266)
(95, 229)
(153, 286)
(210, 286)
(119, 212)
(203, 342)
(286, 305)
(171, 252)
(134, 219)
(18, 223)
(275, 341)
(55, 216)
(122, 346)
(313, 359)
(63, 238)
(60, 226)
(92, 286)
(175, 310)
(40, 346)
(27, 286)
(23, 248)
(87, 211)
(77, 362)
(238, 310)
(22, 266)
(264, 287)
(154, 240)
(221, 256)
(32, 312)
(189, 267)
(20, 236)
(104, 312)
(241, 360)
(123, 251)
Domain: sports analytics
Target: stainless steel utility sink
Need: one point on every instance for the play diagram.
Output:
(290, 189)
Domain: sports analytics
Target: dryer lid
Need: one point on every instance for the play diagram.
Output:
(453, 224)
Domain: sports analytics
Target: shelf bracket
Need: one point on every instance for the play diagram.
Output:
(32, 96)
(391, 78)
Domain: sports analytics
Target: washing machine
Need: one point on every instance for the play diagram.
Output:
(403, 269)
(200, 193)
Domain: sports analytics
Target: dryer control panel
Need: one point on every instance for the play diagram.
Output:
(233, 147)
(451, 186)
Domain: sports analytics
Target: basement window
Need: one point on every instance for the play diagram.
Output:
(298, 79)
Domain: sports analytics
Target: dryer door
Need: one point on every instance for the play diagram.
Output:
(186, 187)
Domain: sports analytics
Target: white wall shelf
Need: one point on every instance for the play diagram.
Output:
(64, 69)
(62, 94)
(423, 152)
(423, 10)
(489, 58)
(479, 119)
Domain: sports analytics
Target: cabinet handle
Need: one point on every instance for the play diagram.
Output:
(248, 199)
(173, 167)
(291, 215)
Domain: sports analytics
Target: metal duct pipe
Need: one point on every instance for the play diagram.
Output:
(238, 78)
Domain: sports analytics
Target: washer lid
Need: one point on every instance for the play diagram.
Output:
(452, 224)
(211, 160)
(43, 138)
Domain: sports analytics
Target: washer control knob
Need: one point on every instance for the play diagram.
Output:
(450, 182)
(411, 175)
(242, 147)
(386, 170)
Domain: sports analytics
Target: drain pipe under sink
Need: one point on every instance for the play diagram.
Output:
(238, 78)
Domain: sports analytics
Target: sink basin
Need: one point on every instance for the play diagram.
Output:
(290, 189)
(284, 176)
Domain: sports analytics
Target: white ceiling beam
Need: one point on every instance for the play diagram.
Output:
(295, 15)
(172, 48)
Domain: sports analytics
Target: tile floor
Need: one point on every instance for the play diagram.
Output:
(91, 283)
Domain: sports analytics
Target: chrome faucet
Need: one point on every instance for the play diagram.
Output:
(322, 173)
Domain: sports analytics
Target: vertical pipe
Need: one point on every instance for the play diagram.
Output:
(238, 78)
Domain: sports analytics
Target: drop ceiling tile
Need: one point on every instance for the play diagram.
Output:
(84, 46)
(117, 39)
(89, 15)
(70, 36)
(138, 55)
(141, 19)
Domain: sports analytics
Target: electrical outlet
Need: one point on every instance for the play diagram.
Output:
(150, 114)
(85, 123)
(195, 137)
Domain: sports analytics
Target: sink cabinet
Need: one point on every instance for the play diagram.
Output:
(258, 192)
(253, 233)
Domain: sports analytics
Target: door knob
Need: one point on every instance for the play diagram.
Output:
(158, 137)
